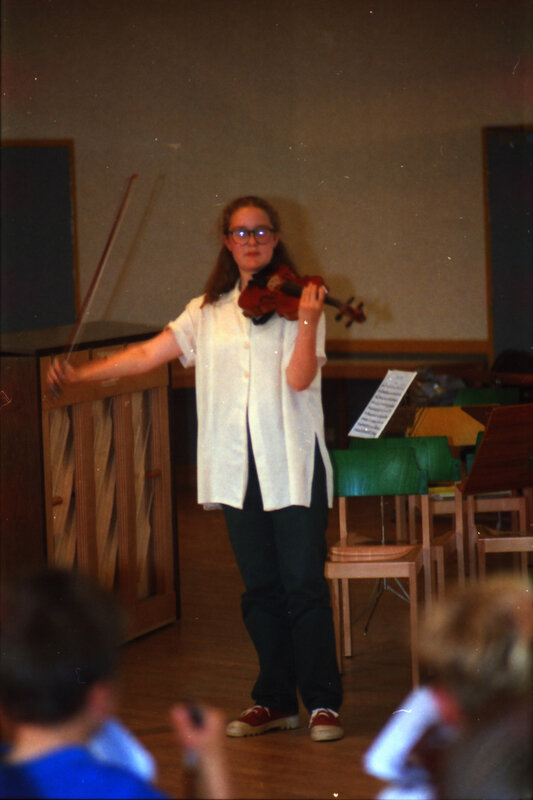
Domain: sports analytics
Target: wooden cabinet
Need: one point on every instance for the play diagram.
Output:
(86, 476)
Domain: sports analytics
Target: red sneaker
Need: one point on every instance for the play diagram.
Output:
(325, 725)
(259, 719)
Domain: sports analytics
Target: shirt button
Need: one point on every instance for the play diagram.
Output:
(246, 345)
(246, 373)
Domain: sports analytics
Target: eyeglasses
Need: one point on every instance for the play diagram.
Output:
(242, 235)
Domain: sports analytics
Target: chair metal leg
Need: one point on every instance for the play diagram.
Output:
(381, 587)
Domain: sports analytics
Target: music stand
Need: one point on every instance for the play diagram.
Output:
(385, 415)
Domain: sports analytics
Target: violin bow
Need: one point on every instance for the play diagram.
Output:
(85, 308)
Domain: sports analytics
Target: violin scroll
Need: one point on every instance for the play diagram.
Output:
(346, 309)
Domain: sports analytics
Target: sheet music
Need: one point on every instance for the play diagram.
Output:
(383, 404)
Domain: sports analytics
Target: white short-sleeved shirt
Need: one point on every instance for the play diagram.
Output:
(240, 373)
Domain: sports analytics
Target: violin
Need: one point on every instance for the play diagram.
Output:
(278, 290)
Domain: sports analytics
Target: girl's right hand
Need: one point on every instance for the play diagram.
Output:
(59, 375)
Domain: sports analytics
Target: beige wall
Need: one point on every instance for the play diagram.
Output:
(361, 120)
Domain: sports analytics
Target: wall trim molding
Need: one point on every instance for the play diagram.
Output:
(465, 347)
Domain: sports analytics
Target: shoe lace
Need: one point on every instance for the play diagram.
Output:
(318, 711)
(255, 710)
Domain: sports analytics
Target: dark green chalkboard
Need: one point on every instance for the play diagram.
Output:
(38, 279)
(509, 186)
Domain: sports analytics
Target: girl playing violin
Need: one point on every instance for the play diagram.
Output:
(261, 456)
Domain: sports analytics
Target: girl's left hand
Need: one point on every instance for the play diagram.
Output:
(311, 304)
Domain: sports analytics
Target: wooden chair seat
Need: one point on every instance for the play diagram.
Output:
(354, 550)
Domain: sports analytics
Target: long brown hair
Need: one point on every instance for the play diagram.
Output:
(225, 273)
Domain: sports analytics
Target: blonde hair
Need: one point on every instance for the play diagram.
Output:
(478, 642)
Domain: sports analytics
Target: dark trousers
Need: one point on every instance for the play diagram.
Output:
(286, 604)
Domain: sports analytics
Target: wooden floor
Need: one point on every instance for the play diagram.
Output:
(207, 657)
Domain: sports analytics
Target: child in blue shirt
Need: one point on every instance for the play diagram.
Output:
(59, 645)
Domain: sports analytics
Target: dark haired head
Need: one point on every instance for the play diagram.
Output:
(60, 634)
(225, 272)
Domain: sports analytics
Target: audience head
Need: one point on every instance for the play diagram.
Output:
(59, 636)
(478, 643)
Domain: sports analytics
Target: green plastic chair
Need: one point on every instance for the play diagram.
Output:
(487, 396)
(384, 470)
(377, 474)
(434, 456)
